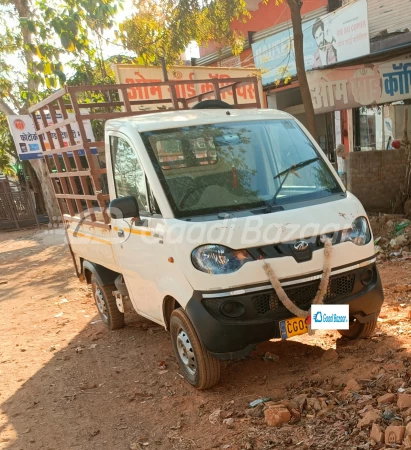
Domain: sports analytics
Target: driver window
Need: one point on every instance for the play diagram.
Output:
(129, 177)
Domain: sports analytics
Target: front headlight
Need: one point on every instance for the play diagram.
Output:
(218, 260)
(359, 233)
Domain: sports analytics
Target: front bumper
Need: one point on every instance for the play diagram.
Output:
(228, 338)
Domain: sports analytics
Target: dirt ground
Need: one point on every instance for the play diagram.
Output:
(68, 383)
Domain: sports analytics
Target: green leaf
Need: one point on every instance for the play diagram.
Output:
(72, 27)
(55, 23)
(31, 26)
(65, 41)
(61, 76)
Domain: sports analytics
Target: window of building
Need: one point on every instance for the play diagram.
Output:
(369, 129)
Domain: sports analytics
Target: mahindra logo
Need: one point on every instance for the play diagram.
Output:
(300, 246)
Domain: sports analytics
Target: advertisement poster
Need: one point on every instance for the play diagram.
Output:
(27, 142)
(361, 85)
(129, 73)
(331, 38)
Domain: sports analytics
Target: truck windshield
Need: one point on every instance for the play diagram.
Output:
(226, 167)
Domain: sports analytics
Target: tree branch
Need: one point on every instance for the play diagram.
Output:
(5, 108)
(15, 101)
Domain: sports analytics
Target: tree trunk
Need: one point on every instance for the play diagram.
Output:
(295, 8)
(36, 187)
(39, 165)
(50, 201)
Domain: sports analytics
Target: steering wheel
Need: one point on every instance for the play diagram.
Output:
(183, 199)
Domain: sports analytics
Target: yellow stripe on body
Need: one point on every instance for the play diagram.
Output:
(139, 232)
(89, 236)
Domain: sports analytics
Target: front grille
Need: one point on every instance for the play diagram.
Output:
(304, 296)
(288, 248)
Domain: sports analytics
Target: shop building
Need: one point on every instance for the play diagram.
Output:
(356, 55)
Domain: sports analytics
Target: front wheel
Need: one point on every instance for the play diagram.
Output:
(199, 367)
(360, 330)
(106, 305)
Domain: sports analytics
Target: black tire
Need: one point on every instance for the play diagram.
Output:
(105, 301)
(360, 330)
(212, 104)
(199, 367)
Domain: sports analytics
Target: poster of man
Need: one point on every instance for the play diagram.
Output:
(326, 52)
(331, 38)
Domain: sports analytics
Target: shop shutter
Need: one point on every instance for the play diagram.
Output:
(388, 15)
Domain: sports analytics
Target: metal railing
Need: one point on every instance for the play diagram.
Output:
(76, 174)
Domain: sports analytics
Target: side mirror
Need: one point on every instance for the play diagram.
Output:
(123, 208)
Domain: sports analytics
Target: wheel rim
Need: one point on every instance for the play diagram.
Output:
(101, 304)
(185, 351)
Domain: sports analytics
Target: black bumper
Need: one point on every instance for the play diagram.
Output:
(228, 338)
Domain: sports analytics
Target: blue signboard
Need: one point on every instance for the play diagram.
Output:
(274, 55)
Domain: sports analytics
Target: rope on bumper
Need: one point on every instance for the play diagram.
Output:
(319, 296)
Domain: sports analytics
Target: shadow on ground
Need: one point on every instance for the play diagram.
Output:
(105, 390)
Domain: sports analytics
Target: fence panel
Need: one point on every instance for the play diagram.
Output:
(16, 209)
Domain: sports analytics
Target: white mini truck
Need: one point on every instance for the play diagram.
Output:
(184, 207)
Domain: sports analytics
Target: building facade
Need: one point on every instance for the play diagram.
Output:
(357, 60)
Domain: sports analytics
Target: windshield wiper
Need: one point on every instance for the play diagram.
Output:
(287, 172)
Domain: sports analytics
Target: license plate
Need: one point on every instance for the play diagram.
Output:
(293, 327)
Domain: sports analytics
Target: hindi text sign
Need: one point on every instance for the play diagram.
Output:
(129, 74)
(27, 142)
(361, 85)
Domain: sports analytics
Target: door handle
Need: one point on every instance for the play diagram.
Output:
(120, 233)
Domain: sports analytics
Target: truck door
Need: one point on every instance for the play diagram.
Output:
(133, 242)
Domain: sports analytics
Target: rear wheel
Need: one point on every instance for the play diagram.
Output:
(360, 330)
(106, 305)
(199, 367)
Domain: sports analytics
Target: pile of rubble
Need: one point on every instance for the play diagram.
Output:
(369, 414)
(392, 236)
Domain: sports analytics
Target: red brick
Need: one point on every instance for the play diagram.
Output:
(352, 386)
(276, 416)
(369, 417)
(404, 401)
(394, 434)
(387, 398)
(376, 433)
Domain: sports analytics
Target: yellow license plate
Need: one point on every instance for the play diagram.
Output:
(293, 327)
